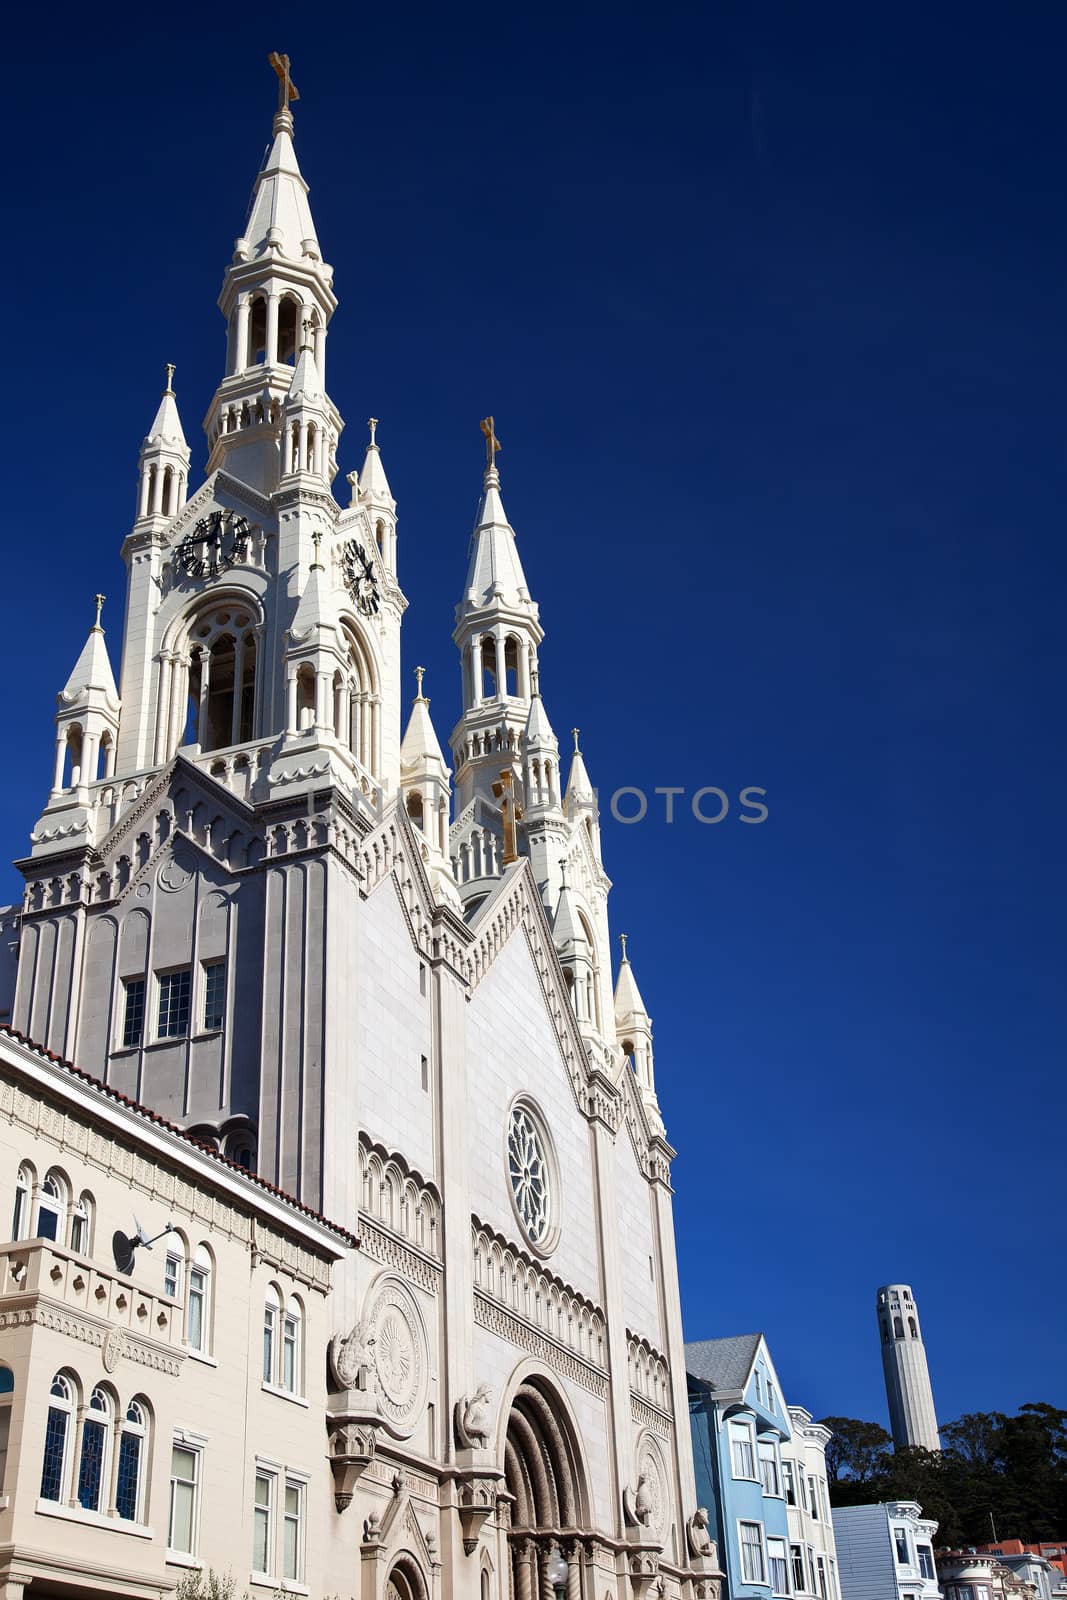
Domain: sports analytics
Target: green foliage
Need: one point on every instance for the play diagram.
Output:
(994, 1471)
(206, 1585)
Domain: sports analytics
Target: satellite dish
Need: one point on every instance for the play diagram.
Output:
(124, 1246)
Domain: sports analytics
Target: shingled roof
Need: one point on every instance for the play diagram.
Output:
(723, 1364)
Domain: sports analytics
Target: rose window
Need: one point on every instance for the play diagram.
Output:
(528, 1170)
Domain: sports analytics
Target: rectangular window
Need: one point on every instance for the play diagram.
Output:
(770, 1395)
(821, 1566)
(813, 1498)
(263, 1523)
(214, 994)
(195, 1310)
(172, 1276)
(79, 1230)
(184, 1483)
(811, 1568)
(835, 1591)
(759, 1386)
(133, 1013)
(768, 1469)
(91, 1466)
(776, 1560)
(982, 1591)
(824, 1500)
(174, 989)
(293, 1532)
(926, 1561)
(742, 1450)
(965, 1591)
(796, 1553)
(900, 1539)
(753, 1565)
(789, 1483)
(425, 1073)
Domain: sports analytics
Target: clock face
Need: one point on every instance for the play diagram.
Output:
(360, 580)
(218, 541)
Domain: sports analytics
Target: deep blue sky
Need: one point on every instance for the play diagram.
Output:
(768, 303)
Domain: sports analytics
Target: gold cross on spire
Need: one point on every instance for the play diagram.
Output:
(493, 446)
(287, 89)
(510, 814)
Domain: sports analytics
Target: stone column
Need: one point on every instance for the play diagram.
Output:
(240, 355)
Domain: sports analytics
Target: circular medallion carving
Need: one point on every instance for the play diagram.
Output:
(114, 1348)
(399, 1356)
(649, 1465)
(173, 877)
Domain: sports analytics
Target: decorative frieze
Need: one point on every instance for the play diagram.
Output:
(380, 1245)
(512, 1279)
(506, 1325)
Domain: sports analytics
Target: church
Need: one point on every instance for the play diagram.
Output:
(342, 1256)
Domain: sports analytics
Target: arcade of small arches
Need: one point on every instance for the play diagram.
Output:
(83, 756)
(430, 816)
(497, 666)
(898, 1329)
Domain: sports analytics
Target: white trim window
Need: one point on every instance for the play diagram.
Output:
(272, 1310)
(813, 1498)
(835, 1587)
(742, 1449)
(51, 1208)
(759, 1387)
(769, 1471)
(293, 1531)
(184, 1516)
(283, 1341)
(289, 1369)
(778, 1563)
(81, 1222)
(789, 1487)
(93, 1474)
(926, 1561)
(823, 1578)
(263, 1523)
(20, 1221)
(130, 1475)
(753, 1552)
(771, 1405)
(796, 1556)
(59, 1425)
(172, 1275)
(198, 1302)
(214, 995)
(900, 1540)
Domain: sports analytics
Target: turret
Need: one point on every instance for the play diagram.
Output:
(310, 424)
(425, 785)
(370, 489)
(580, 802)
(87, 721)
(497, 632)
(164, 463)
(574, 948)
(633, 1029)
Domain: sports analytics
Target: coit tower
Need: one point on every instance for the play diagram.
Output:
(907, 1377)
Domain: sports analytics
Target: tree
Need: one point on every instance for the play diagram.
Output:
(857, 1449)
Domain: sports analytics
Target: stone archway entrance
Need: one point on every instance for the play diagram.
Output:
(544, 1478)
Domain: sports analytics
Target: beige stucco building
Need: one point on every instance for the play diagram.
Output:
(256, 908)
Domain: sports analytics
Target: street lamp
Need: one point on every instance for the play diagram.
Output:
(557, 1571)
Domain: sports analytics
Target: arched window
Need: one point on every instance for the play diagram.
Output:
(362, 709)
(257, 331)
(220, 679)
(133, 1450)
(7, 1391)
(289, 309)
(292, 1348)
(59, 1425)
(511, 665)
(490, 688)
(485, 1584)
(912, 1329)
(92, 1469)
(898, 1328)
(81, 1225)
(272, 1311)
(305, 697)
(241, 1148)
(51, 1207)
(198, 1301)
(415, 808)
(885, 1331)
(72, 766)
(20, 1221)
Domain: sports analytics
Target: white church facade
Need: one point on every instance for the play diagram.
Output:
(347, 1011)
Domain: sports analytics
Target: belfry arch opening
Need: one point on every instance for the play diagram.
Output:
(544, 1476)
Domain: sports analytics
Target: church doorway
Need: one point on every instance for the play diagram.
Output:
(549, 1509)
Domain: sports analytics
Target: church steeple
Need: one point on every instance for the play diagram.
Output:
(497, 632)
(424, 784)
(633, 1028)
(276, 283)
(87, 721)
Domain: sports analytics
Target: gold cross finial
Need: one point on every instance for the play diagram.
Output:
(510, 814)
(493, 446)
(372, 424)
(287, 89)
(420, 673)
(170, 378)
(98, 600)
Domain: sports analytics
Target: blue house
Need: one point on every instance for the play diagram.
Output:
(739, 1419)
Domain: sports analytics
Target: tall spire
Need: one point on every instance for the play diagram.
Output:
(425, 785)
(275, 282)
